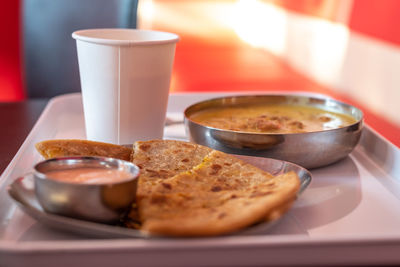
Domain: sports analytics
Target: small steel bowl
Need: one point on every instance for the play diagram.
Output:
(102, 202)
(310, 150)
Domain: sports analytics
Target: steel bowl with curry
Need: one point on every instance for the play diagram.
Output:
(307, 130)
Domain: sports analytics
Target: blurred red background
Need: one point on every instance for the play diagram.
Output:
(213, 57)
(11, 85)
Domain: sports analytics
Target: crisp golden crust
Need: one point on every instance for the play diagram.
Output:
(221, 195)
(72, 147)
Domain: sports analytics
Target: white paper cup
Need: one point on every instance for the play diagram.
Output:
(125, 78)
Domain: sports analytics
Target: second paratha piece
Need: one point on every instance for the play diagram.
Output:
(73, 147)
(162, 159)
(221, 195)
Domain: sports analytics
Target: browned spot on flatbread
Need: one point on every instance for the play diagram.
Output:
(221, 215)
(162, 174)
(215, 169)
(216, 188)
(144, 147)
(167, 186)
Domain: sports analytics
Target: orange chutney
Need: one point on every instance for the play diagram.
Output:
(89, 175)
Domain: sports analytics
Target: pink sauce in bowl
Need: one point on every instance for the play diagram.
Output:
(88, 175)
(89, 188)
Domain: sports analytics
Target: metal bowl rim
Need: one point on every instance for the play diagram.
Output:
(186, 117)
(43, 176)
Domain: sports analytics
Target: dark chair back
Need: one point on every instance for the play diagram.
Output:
(50, 59)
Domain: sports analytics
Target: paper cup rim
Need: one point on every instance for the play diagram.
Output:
(158, 37)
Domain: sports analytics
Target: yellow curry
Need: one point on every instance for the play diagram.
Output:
(272, 118)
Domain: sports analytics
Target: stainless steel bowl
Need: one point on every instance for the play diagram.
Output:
(310, 150)
(94, 202)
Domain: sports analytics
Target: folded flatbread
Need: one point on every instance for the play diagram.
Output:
(220, 195)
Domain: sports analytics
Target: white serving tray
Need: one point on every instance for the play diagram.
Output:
(350, 214)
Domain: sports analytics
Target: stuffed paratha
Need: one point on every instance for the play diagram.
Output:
(221, 195)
